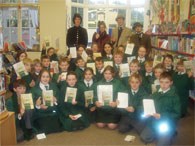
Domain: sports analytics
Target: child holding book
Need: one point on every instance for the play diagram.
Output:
(108, 51)
(46, 116)
(72, 105)
(94, 49)
(118, 59)
(60, 77)
(51, 52)
(45, 61)
(22, 117)
(80, 63)
(36, 70)
(162, 124)
(99, 64)
(141, 57)
(107, 113)
(20, 56)
(131, 116)
(183, 81)
(168, 63)
(87, 87)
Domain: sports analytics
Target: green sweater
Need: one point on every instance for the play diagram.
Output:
(79, 73)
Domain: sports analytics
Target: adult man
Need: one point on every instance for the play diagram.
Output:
(121, 33)
(140, 38)
(77, 35)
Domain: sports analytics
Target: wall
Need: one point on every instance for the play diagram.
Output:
(53, 22)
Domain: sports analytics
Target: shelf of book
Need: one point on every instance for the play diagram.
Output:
(182, 53)
(173, 34)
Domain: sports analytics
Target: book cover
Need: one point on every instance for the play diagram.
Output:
(2, 104)
(92, 65)
(70, 94)
(73, 52)
(64, 74)
(129, 48)
(84, 56)
(106, 63)
(157, 60)
(149, 107)
(1, 61)
(105, 94)
(48, 97)
(124, 69)
(129, 59)
(54, 67)
(123, 100)
(27, 101)
(20, 69)
(97, 55)
(10, 58)
(89, 97)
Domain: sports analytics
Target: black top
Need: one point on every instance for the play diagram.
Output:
(76, 36)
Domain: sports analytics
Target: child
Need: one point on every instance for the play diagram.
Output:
(118, 59)
(20, 56)
(108, 115)
(51, 53)
(142, 58)
(95, 49)
(36, 70)
(88, 85)
(59, 78)
(122, 49)
(71, 110)
(162, 124)
(183, 82)
(45, 61)
(99, 64)
(131, 115)
(80, 63)
(28, 78)
(22, 117)
(108, 51)
(46, 118)
(148, 77)
(168, 63)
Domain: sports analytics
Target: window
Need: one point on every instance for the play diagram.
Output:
(77, 1)
(137, 15)
(137, 2)
(96, 2)
(76, 10)
(118, 2)
(20, 22)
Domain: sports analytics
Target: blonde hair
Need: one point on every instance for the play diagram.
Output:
(117, 52)
(136, 76)
(27, 60)
(135, 61)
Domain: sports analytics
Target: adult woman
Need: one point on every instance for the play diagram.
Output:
(101, 36)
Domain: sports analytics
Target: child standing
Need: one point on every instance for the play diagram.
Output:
(162, 124)
(71, 109)
(22, 117)
(87, 89)
(99, 64)
(45, 61)
(108, 115)
(44, 113)
(183, 82)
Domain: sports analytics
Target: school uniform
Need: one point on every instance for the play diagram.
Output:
(79, 72)
(55, 78)
(131, 120)
(183, 84)
(99, 74)
(23, 124)
(107, 114)
(117, 70)
(68, 108)
(28, 79)
(141, 64)
(53, 57)
(35, 77)
(51, 114)
(88, 86)
(108, 57)
(170, 69)
(147, 81)
(167, 104)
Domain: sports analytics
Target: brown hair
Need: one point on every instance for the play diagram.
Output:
(168, 56)
(88, 69)
(83, 46)
(44, 57)
(110, 44)
(136, 76)
(71, 73)
(180, 62)
(111, 69)
(99, 59)
(63, 59)
(19, 83)
(41, 73)
(166, 75)
(78, 58)
(117, 52)
(135, 61)
(148, 62)
(160, 66)
(27, 60)
(20, 53)
(51, 48)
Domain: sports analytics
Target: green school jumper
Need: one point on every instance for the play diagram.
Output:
(168, 106)
(147, 82)
(183, 84)
(13, 106)
(28, 80)
(116, 69)
(55, 78)
(99, 76)
(67, 109)
(46, 120)
(90, 115)
(107, 58)
(107, 114)
(79, 73)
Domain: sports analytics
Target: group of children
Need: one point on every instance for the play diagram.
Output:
(170, 98)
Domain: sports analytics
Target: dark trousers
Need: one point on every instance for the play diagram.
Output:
(28, 118)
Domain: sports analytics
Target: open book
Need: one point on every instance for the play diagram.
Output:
(48, 97)
(124, 69)
(20, 69)
(89, 97)
(27, 101)
(70, 94)
(105, 94)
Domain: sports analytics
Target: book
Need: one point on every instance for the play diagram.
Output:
(105, 94)
(106, 63)
(123, 100)
(2, 104)
(2, 82)
(57, 43)
(20, 69)
(54, 67)
(157, 59)
(48, 41)
(27, 101)
(48, 97)
(124, 69)
(189, 65)
(92, 65)
(89, 97)
(129, 59)
(129, 48)
(1, 61)
(64, 74)
(149, 107)
(70, 94)
(154, 89)
(73, 52)
(97, 55)
(84, 56)
(10, 58)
